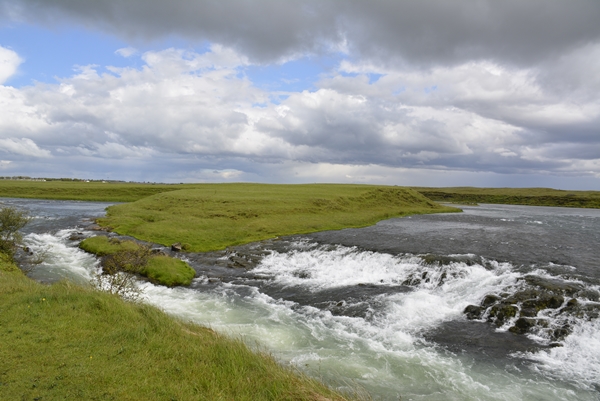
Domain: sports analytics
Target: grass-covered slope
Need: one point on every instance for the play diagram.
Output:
(65, 342)
(216, 216)
(514, 196)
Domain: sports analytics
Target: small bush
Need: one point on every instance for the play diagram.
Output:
(11, 221)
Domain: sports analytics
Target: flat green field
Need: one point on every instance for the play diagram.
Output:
(213, 217)
(84, 191)
(514, 196)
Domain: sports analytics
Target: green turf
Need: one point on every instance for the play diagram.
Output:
(169, 271)
(216, 216)
(514, 196)
(101, 245)
(160, 269)
(65, 342)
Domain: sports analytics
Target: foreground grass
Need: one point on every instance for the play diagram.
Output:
(67, 342)
(514, 196)
(213, 217)
(160, 269)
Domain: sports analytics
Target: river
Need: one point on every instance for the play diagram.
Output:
(496, 303)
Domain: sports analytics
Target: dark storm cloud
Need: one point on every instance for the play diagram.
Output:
(433, 31)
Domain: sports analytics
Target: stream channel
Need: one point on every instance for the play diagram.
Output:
(496, 303)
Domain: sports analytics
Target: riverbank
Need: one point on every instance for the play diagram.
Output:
(513, 196)
(65, 341)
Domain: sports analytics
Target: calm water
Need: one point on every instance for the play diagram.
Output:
(382, 308)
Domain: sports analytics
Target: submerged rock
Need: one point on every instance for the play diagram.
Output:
(500, 313)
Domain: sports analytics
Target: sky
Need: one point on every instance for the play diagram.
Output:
(416, 92)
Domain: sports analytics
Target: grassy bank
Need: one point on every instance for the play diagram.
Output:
(137, 259)
(514, 196)
(67, 342)
(216, 216)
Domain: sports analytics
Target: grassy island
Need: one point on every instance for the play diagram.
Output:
(213, 217)
(137, 259)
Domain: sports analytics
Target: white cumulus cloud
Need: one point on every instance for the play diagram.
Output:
(9, 63)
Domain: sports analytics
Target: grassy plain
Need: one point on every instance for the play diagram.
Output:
(217, 216)
(84, 191)
(514, 196)
(65, 341)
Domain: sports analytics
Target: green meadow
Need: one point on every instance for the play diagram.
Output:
(213, 217)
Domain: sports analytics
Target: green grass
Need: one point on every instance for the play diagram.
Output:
(64, 342)
(214, 217)
(7, 265)
(169, 271)
(84, 191)
(101, 245)
(159, 269)
(514, 196)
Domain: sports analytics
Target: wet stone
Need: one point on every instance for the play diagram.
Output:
(553, 285)
(489, 300)
(529, 312)
(473, 312)
(522, 325)
(500, 313)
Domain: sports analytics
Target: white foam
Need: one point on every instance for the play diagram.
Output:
(58, 258)
(578, 359)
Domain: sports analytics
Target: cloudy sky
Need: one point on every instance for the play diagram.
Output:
(413, 92)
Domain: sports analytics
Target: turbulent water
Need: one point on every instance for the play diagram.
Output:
(495, 303)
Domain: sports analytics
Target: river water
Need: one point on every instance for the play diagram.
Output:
(382, 309)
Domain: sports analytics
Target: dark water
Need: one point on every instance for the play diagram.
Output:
(382, 308)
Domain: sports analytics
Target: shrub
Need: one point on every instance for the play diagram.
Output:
(11, 221)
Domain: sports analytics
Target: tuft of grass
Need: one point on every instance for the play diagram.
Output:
(159, 269)
(217, 216)
(7, 264)
(68, 342)
(168, 271)
(514, 196)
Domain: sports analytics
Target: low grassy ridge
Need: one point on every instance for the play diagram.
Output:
(84, 191)
(161, 269)
(66, 342)
(216, 216)
(514, 196)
